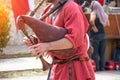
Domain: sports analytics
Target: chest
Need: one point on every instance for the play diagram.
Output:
(56, 18)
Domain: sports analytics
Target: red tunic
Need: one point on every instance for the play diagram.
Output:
(73, 19)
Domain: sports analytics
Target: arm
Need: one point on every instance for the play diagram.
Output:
(92, 21)
(63, 43)
(42, 48)
(54, 45)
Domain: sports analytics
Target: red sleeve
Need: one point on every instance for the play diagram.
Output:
(76, 24)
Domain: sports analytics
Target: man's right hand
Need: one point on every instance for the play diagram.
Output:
(27, 41)
(31, 40)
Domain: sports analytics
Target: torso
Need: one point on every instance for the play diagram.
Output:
(99, 27)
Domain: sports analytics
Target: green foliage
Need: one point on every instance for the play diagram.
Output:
(4, 26)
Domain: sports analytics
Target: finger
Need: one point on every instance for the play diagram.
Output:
(29, 39)
(32, 39)
(33, 46)
(27, 42)
(39, 50)
(25, 38)
(45, 54)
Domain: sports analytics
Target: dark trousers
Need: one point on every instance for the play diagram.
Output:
(98, 42)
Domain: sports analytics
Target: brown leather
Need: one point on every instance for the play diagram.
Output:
(62, 61)
(46, 33)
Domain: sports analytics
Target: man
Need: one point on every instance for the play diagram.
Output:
(71, 17)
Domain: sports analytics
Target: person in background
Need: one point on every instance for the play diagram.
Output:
(98, 20)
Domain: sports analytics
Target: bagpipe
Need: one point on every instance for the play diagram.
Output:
(45, 32)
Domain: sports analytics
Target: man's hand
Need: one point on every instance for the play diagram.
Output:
(39, 49)
(31, 40)
(27, 41)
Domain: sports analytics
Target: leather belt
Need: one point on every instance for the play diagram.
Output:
(69, 60)
(62, 61)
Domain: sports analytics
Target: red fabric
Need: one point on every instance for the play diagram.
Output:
(110, 65)
(101, 2)
(73, 19)
(19, 7)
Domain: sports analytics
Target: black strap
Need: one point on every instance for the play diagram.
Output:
(48, 77)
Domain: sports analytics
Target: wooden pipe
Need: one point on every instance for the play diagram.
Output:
(32, 13)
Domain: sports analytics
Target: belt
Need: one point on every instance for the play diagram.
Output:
(69, 60)
(62, 61)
